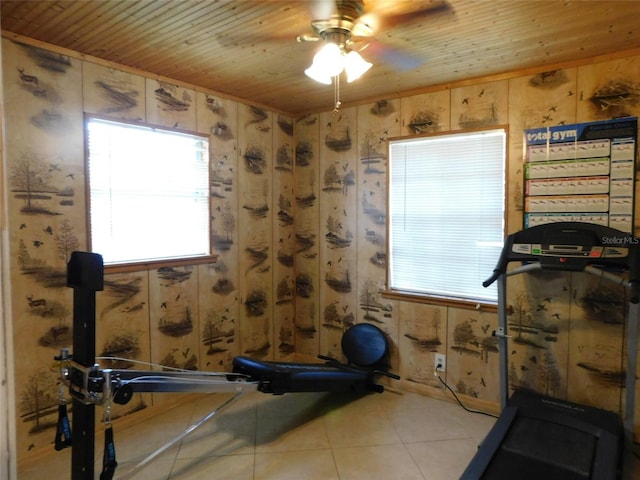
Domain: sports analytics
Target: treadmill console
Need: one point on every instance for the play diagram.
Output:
(569, 246)
(569, 251)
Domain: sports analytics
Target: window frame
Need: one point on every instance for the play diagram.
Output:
(432, 298)
(153, 263)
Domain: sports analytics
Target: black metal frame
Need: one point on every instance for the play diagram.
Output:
(85, 273)
(90, 386)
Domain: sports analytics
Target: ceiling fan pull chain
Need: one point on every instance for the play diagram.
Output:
(336, 93)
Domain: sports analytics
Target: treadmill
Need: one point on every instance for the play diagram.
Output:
(538, 437)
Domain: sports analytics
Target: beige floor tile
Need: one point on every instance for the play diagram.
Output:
(284, 434)
(159, 469)
(310, 404)
(203, 404)
(236, 467)
(393, 401)
(212, 444)
(231, 433)
(308, 436)
(382, 462)
(476, 425)
(352, 428)
(427, 424)
(350, 403)
(133, 445)
(306, 464)
(179, 406)
(443, 459)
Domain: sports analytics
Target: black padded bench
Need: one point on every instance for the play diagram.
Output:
(365, 347)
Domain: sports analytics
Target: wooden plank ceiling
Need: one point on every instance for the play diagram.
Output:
(247, 48)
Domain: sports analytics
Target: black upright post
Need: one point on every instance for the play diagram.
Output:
(85, 272)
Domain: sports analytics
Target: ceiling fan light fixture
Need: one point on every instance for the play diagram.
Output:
(330, 59)
(318, 74)
(355, 66)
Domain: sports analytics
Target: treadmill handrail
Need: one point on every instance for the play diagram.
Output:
(598, 272)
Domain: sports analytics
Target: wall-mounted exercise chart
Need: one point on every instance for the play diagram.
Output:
(581, 173)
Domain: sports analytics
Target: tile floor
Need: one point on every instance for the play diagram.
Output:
(395, 435)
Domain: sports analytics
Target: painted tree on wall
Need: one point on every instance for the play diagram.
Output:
(463, 336)
(29, 177)
(548, 374)
(38, 399)
(66, 241)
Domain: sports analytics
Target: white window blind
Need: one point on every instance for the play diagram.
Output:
(148, 192)
(446, 206)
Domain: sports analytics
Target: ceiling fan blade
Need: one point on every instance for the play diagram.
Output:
(398, 59)
(380, 22)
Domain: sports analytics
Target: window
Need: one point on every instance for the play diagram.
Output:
(446, 213)
(148, 192)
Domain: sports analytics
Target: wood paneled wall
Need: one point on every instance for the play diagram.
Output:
(192, 317)
(577, 354)
(298, 220)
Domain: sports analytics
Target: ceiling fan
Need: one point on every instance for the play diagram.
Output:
(347, 28)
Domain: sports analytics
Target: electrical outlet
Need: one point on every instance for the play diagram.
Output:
(440, 362)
